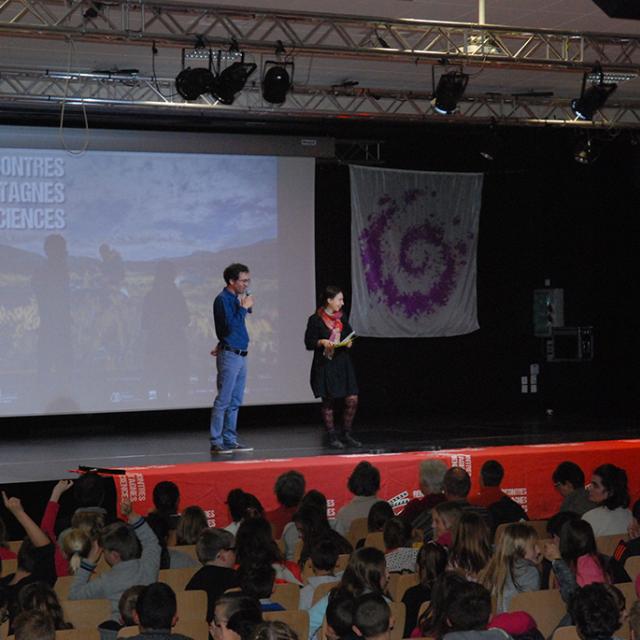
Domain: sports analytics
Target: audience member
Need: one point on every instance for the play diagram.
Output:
(313, 525)
(120, 544)
(575, 561)
(291, 535)
(568, 480)
(626, 548)
(518, 624)
(192, 521)
(400, 555)
(235, 617)
(166, 500)
(34, 625)
(430, 480)
(35, 557)
(457, 485)
(324, 556)
(634, 621)
(156, 613)
(289, 490)
(364, 483)
(39, 596)
(216, 551)
(238, 504)
(502, 508)
(595, 612)
(339, 616)
(255, 547)
(514, 565)
(274, 630)
(372, 617)
(468, 614)
(446, 517)
(471, 549)
(608, 489)
(433, 622)
(170, 558)
(259, 583)
(379, 513)
(365, 573)
(89, 493)
(431, 564)
(127, 605)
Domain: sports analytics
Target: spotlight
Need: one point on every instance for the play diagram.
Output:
(231, 81)
(450, 89)
(276, 81)
(594, 97)
(192, 83)
(586, 151)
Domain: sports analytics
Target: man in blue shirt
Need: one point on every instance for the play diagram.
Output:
(230, 310)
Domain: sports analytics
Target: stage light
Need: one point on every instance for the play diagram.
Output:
(231, 81)
(450, 90)
(594, 97)
(586, 151)
(276, 81)
(192, 83)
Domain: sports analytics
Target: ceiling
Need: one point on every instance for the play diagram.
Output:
(40, 52)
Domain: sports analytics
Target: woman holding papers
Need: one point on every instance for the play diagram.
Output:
(330, 337)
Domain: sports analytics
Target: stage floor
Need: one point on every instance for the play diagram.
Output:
(39, 456)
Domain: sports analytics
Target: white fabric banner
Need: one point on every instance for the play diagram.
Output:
(414, 239)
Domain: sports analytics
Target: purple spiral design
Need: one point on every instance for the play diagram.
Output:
(441, 259)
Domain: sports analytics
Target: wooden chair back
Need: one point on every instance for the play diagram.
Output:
(9, 566)
(398, 613)
(375, 540)
(192, 605)
(322, 589)
(399, 583)
(297, 620)
(177, 579)
(62, 587)
(357, 530)
(78, 634)
(632, 567)
(607, 544)
(14, 545)
(288, 595)
(546, 607)
(566, 633)
(189, 549)
(86, 614)
(423, 607)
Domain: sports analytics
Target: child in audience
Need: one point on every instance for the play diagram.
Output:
(379, 513)
(216, 551)
(324, 557)
(34, 625)
(192, 521)
(156, 613)
(127, 605)
(339, 616)
(259, 583)
(313, 525)
(166, 500)
(170, 558)
(431, 564)
(634, 621)
(291, 534)
(365, 573)
(445, 518)
(433, 622)
(41, 597)
(514, 565)
(471, 549)
(595, 612)
(400, 555)
(120, 544)
(235, 617)
(575, 561)
(35, 558)
(372, 617)
(274, 630)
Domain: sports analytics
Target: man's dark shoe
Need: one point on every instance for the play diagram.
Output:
(216, 449)
(238, 446)
(350, 441)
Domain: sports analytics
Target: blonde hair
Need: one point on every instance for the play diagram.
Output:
(91, 522)
(471, 549)
(511, 546)
(76, 545)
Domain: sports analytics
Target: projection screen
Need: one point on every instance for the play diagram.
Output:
(110, 260)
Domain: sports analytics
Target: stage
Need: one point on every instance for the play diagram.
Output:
(528, 448)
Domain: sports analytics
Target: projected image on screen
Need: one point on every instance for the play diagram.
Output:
(109, 263)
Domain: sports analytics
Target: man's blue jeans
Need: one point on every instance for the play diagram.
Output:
(232, 375)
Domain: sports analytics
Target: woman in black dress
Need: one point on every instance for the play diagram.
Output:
(332, 373)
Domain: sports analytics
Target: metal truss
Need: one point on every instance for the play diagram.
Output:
(316, 34)
(145, 93)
